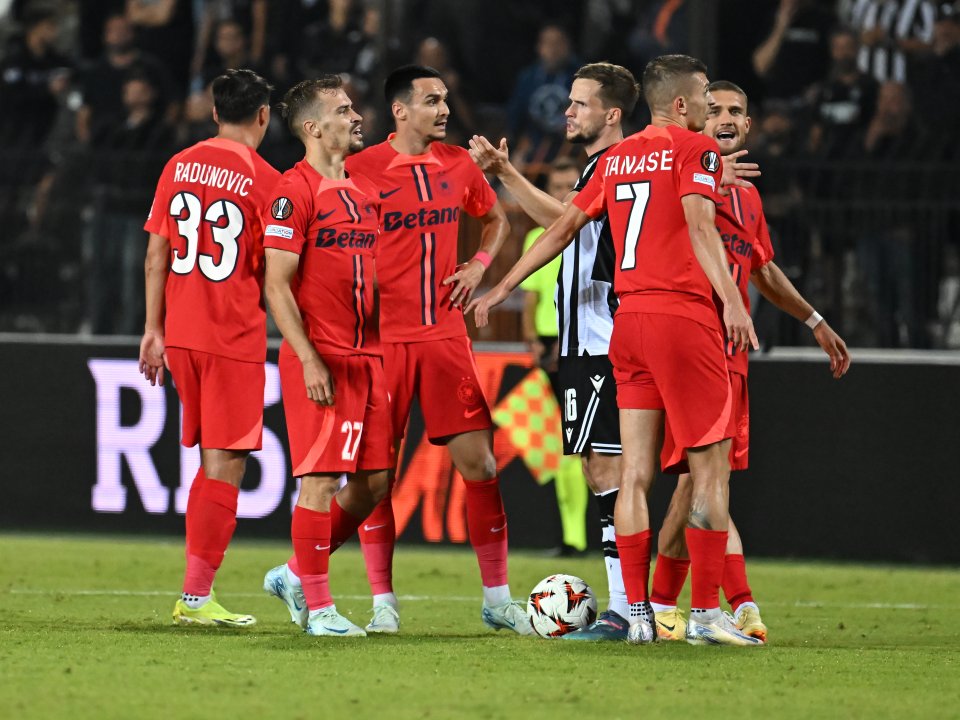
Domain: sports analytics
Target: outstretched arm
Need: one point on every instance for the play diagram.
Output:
(550, 244)
(155, 269)
(496, 228)
(541, 206)
(281, 268)
(777, 288)
(700, 213)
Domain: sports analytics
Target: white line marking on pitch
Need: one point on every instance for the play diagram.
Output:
(476, 598)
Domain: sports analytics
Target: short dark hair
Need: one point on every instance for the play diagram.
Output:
(239, 94)
(301, 98)
(399, 83)
(618, 87)
(664, 78)
(729, 87)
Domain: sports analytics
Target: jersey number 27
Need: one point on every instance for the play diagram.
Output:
(226, 224)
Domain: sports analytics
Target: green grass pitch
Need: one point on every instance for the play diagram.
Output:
(85, 633)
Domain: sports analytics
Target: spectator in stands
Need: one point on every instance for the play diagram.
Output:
(230, 51)
(795, 54)
(843, 103)
(892, 252)
(32, 77)
(251, 15)
(938, 75)
(124, 171)
(333, 44)
(540, 97)
(462, 124)
(891, 31)
(164, 29)
(101, 84)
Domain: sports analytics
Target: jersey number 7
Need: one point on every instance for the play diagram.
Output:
(639, 194)
(226, 224)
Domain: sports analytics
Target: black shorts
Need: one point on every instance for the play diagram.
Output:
(591, 420)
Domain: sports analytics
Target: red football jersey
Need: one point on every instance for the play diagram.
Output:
(746, 238)
(639, 183)
(422, 197)
(208, 204)
(333, 226)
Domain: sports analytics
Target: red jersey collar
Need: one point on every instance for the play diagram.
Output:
(399, 159)
(322, 180)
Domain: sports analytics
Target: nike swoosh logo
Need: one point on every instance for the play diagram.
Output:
(368, 528)
(385, 195)
(334, 630)
(471, 413)
(325, 547)
(502, 527)
(740, 453)
(324, 216)
(668, 628)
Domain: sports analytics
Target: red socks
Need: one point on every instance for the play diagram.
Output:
(487, 525)
(634, 553)
(342, 527)
(735, 585)
(310, 532)
(378, 535)
(707, 549)
(668, 578)
(211, 520)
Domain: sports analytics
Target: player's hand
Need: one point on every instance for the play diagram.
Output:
(735, 171)
(834, 346)
(465, 281)
(319, 383)
(153, 357)
(739, 326)
(481, 307)
(490, 159)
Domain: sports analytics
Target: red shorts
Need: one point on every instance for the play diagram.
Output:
(352, 434)
(222, 399)
(443, 375)
(738, 429)
(672, 363)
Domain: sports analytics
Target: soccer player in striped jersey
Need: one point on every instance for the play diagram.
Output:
(743, 228)
(601, 96)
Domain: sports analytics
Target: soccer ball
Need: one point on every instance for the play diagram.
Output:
(560, 604)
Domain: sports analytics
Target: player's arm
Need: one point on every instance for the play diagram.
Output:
(541, 206)
(700, 213)
(155, 270)
(281, 268)
(777, 288)
(546, 247)
(495, 230)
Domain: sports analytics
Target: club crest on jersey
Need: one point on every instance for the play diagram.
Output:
(281, 209)
(710, 161)
(467, 392)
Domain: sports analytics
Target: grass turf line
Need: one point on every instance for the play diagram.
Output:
(70, 646)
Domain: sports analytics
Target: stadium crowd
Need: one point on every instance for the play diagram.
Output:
(853, 105)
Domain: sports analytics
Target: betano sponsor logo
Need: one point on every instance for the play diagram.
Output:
(423, 218)
(328, 237)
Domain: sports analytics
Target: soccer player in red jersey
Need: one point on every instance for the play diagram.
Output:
(206, 321)
(425, 185)
(659, 187)
(743, 228)
(321, 239)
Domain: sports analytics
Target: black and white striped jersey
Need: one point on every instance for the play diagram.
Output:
(585, 298)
